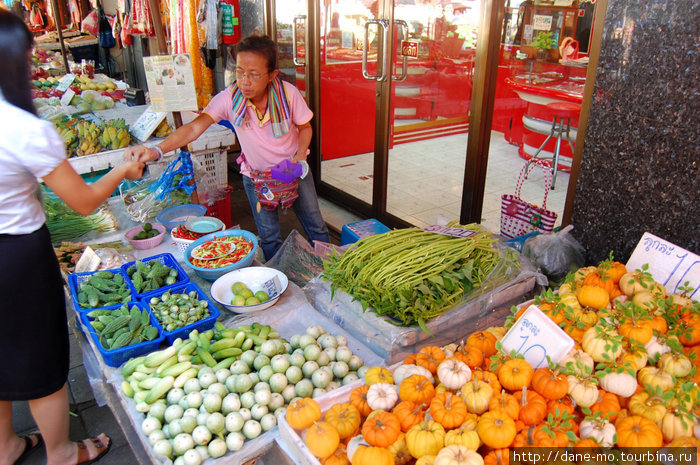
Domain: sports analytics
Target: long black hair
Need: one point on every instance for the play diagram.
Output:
(15, 43)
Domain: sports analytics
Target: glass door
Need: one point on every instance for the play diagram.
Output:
(431, 95)
(290, 31)
(350, 45)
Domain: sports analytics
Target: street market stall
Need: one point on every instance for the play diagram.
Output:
(240, 376)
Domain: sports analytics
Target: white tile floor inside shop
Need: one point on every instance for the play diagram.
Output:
(426, 178)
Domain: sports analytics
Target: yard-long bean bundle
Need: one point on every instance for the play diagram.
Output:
(412, 275)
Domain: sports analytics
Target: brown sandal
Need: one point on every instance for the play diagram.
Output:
(84, 454)
(28, 447)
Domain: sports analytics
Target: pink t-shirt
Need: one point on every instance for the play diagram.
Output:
(261, 148)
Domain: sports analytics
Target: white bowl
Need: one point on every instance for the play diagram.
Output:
(257, 278)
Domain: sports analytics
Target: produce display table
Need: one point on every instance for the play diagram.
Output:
(291, 315)
(216, 139)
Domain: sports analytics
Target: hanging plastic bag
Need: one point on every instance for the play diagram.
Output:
(106, 37)
(555, 254)
(147, 197)
(90, 23)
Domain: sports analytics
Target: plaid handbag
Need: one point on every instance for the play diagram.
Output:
(519, 217)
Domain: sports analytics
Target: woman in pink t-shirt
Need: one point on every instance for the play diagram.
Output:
(271, 121)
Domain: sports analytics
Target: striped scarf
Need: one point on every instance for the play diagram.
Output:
(280, 114)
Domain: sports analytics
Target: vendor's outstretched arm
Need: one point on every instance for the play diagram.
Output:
(178, 138)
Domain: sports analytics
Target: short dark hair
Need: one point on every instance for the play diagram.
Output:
(262, 45)
(15, 43)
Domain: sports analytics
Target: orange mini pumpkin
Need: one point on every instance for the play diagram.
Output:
(533, 437)
(470, 355)
(381, 429)
(302, 413)
(322, 439)
(550, 384)
(484, 341)
(358, 398)
(636, 431)
(448, 409)
(344, 417)
(417, 388)
(496, 429)
(489, 378)
(497, 457)
(430, 357)
(505, 403)
(533, 407)
(515, 374)
(409, 414)
(608, 404)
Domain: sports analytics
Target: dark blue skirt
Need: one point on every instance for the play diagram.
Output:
(33, 327)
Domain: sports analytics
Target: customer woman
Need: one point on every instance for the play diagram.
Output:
(33, 326)
(271, 120)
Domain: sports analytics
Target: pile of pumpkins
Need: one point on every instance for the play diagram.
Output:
(632, 380)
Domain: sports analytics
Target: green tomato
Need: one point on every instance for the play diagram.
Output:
(262, 296)
(238, 301)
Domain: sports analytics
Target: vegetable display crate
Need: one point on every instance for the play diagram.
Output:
(116, 357)
(164, 259)
(201, 325)
(76, 280)
(221, 208)
(295, 445)
(506, 285)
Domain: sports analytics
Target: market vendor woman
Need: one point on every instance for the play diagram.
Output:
(271, 120)
(33, 325)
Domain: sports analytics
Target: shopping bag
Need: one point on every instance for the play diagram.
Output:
(519, 217)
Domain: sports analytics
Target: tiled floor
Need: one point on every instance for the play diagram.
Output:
(425, 179)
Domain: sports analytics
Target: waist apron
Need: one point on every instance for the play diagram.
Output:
(33, 325)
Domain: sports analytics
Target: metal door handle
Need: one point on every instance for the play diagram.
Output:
(404, 61)
(295, 53)
(365, 49)
(386, 52)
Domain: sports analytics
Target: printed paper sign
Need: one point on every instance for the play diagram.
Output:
(409, 48)
(89, 261)
(542, 22)
(65, 82)
(669, 264)
(147, 123)
(536, 337)
(447, 231)
(67, 96)
(170, 82)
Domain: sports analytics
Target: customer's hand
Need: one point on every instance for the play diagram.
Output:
(133, 170)
(140, 153)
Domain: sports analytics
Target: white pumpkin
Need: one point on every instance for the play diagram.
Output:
(621, 384)
(656, 348)
(382, 396)
(601, 430)
(458, 455)
(353, 444)
(583, 391)
(575, 360)
(404, 371)
(601, 343)
(454, 374)
(677, 425)
(677, 365)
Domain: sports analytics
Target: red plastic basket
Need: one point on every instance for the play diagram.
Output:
(221, 209)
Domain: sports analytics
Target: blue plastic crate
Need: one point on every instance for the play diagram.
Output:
(76, 280)
(201, 325)
(353, 232)
(165, 259)
(116, 357)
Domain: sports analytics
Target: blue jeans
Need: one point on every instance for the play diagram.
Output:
(306, 208)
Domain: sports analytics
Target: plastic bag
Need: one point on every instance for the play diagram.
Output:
(555, 254)
(296, 259)
(147, 197)
(111, 258)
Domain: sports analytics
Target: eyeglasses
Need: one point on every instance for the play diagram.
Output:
(253, 77)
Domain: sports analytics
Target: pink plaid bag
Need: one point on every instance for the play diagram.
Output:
(519, 217)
